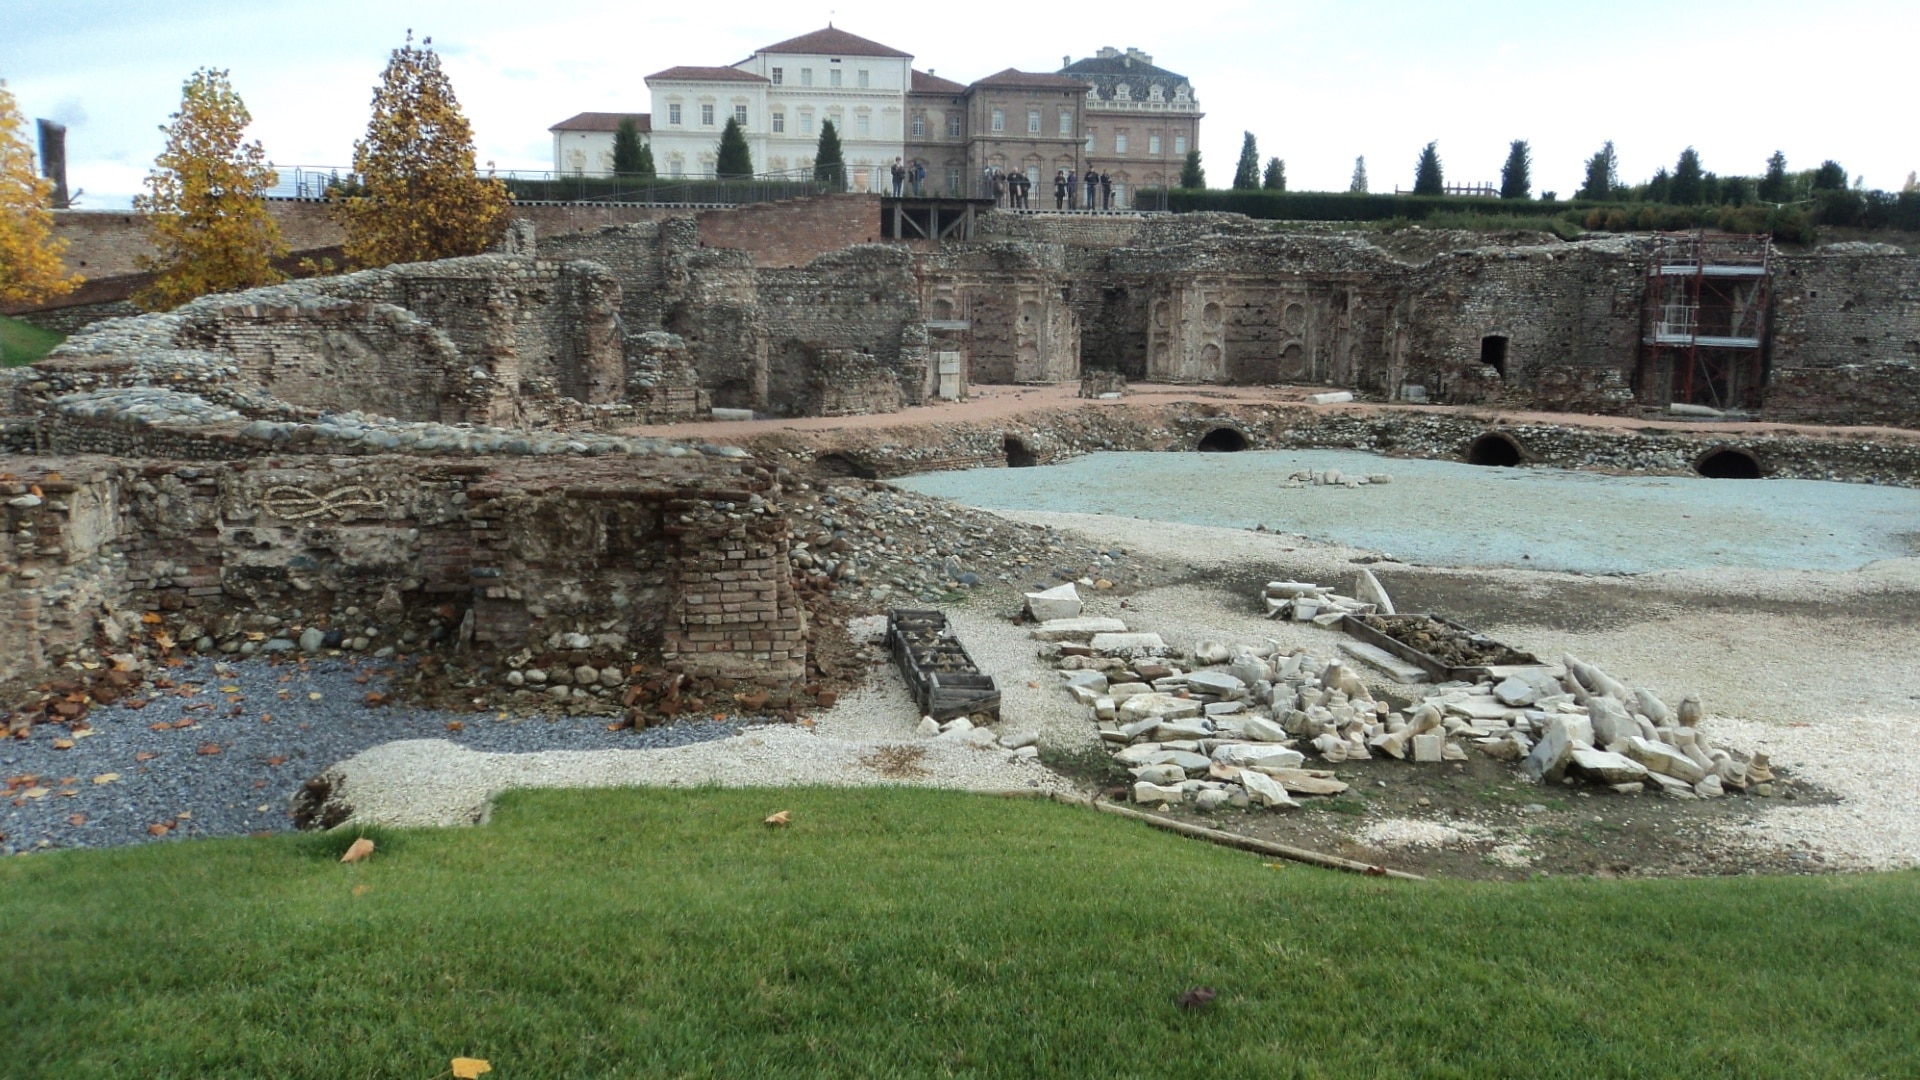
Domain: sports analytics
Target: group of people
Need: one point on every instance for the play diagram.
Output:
(1066, 185)
(1015, 190)
(909, 172)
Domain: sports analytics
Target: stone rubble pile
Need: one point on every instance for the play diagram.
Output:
(1304, 601)
(1236, 725)
(1334, 478)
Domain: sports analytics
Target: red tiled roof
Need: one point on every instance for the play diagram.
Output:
(925, 82)
(832, 42)
(705, 74)
(603, 121)
(1032, 80)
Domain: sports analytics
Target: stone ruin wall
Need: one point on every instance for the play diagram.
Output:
(1846, 337)
(682, 558)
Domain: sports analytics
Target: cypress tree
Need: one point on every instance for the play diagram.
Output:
(626, 148)
(1192, 176)
(1246, 175)
(1427, 179)
(1686, 188)
(1774, 186)
(734, 161)
(1516, 180)
(1358, 185)
(646, 169)
(1275, 178)
(828, 165)
(1603, 175)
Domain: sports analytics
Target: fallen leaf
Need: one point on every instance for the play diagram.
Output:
(374, 697)
(362, 849)
(63, 744)
(184, 815)
(145, 755)
(229, 689)
(37, 792)
(208, 749)
(160, 828)
(151, 618)
(470, 1068)
(313, 695)
(162, 726)
(277, 759)
(106, 778)
(68, 793)
(455, 725)
(76, 819)
(780, 818)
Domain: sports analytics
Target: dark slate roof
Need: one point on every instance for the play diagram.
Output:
(705, 74)
(604, 121)
(832, 42)
(1032, 80)
(928, 83)
(1107, 75)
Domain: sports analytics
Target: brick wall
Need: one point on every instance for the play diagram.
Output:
(793, 232)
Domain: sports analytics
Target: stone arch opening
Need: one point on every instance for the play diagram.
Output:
(1018, 454)
(1493, 353)
(843, 466)
(1223, 440)
(1496, 449)
(1728, 463)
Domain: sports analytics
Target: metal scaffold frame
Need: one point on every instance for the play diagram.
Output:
(1704, 320)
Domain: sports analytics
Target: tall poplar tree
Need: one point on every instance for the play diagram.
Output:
(423, 197)
(1775, 187)
(30, 270)
(1246, 175)
(1516, 176)
(1427, 179)
(205, 205)
(1358, 185)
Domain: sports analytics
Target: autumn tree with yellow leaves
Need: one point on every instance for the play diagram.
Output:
(205, 205)
(30, 270)
(422, 198)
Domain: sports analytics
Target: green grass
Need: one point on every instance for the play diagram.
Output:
(23, 343)
(897, 933)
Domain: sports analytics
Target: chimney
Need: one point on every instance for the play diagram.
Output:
(1066, 62)
(53, 160)
(1108, 52)
(1136, 54)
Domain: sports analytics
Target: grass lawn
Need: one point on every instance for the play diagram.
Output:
(905, 933)
(23, 343)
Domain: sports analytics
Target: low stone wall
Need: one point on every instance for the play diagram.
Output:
(684, 558)
(1055, 434)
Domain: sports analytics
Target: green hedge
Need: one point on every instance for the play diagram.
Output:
(615, 190)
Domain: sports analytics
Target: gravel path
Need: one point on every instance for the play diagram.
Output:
(228, 771)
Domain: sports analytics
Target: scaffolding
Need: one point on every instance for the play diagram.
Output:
(1704, 320)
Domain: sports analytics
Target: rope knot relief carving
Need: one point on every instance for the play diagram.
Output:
(290, 502)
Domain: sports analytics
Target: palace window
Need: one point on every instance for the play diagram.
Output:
(863, 124)
(1119, 142)
(999, 120)
(778, 76)
(1066, 122)
(706, 115)
(1033, 121)
(1180, 144)
(806, 76)
(673, 114)
(1153, 143)
(806, 123)
(740, 115)
(863, 78)
(953, 126)
(779, 122)
(833, 77)
(919, 126)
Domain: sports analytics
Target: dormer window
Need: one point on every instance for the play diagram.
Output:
(1123, 92)
(1156, 93)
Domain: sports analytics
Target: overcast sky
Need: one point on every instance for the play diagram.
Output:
(1316, 82)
